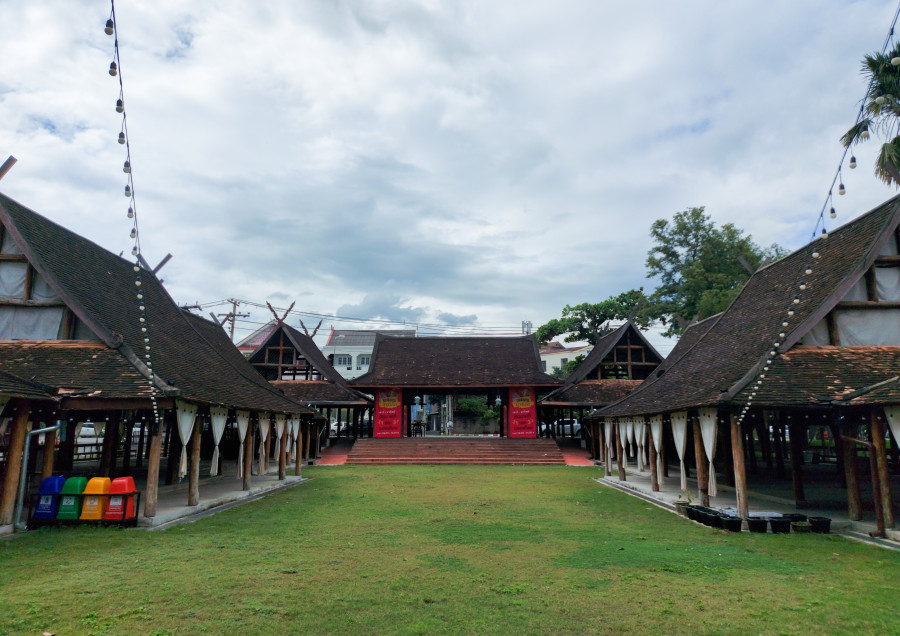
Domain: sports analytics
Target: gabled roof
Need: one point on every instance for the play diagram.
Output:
(591, 393)
(99, 287)
(455, 362)
(256, 338)
(364, 337)
(307, 348)
(733, 348)
(320, 393)
(12, 386)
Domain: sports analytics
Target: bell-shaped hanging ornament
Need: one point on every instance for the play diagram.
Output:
(108, 29)
(852, 162)
(120, 106)
(113, 69)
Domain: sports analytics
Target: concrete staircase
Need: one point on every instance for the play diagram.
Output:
(456, 450)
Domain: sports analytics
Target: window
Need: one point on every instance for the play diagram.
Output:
(563, 362)
(344, 361)
(544, 366)
(363, 362)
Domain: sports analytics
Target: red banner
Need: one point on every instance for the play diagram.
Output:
(522, 412)
(388, 413)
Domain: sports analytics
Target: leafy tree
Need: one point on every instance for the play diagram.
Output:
(881, 113)
(589, 322)
(699, 266)
(474, 405)
(563, 372)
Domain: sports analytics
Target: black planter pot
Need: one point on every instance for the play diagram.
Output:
(706, 517)
(691, 512)
(822, 525)
(780, 525)
(757, 524)
(732, 524)
(794, 517)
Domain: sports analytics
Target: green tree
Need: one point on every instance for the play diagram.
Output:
(699, 266)
(881, 113)
(589, 322)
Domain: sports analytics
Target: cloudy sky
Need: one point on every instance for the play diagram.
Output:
(441, 162)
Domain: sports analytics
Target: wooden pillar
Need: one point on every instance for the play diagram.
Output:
(194, 483)
(282, 454)
(762, 431)
(795, 430)
(248, 458)
(49, 454)
(156, 443)
(740, 474)
(309, 439)
(173, 450)
(108, 449)
(778, 431)
(851, 475)
(14, 462)
(298, 455)
(126, 446)
(268, 448)
(751, 449)
(876, 429)
(702, 462)
(654, 476)
(65, 459)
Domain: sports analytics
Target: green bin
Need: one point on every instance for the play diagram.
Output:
(70, 504)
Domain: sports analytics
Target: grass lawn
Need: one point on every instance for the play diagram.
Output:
(444, 549)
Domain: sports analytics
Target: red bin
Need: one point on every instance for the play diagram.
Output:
(121, 500)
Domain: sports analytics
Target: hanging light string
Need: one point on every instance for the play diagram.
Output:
(115, 70)
(829, 199)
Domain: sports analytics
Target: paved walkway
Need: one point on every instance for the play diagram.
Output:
(638, 483)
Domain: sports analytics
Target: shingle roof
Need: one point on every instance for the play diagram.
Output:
(258, 337)
(455, 362)
(99, 288)
(809, 375)
(592, 392)
(722, 359)
(364, 337)
(319, 392)
(12, 386)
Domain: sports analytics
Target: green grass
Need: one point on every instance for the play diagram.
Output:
(446, 549)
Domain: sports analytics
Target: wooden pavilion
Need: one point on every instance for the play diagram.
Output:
(803, 364)
(616, 365)
(504, 369)
(70, 324)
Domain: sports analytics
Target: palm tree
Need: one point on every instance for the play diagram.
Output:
(881, 113)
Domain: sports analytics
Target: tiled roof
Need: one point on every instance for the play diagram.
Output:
(736, 341)
(257, 337)
(602, 349)
(455, 362)
(593, 392)
(319, 392)
(808, 375)
(100, 288)
(12, 386)
(364, 337)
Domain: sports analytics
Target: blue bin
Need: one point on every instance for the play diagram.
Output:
(48, 498)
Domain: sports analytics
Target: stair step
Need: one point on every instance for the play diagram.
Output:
(541, 452)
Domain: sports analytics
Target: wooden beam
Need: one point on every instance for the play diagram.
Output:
(194, 480)
(152, 491)
(740, 473)
(29, 277)
(871, 286)
(49, 454)
(702, 463)
(282, 453)
(868, 304)
(876, 430)
(620, 453)
(794, 430)
(834, 336)
(22, 302)
(851, 475)
(14, 462)
(14, 258)
(888, 259)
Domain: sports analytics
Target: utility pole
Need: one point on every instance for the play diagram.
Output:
(526, 327)
(232, 315)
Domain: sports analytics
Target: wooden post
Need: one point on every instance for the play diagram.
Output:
(298, 456)
(740, 474)
(620, 453)
(268, 448)
(107, 451)
(876, 430)
(751, 450)
(794, 430)
(762, 431)
(778, 431)
(282, 453)
(654, 476)
(309, 439)
(700, 458)
(851, 475)
(194, 482)
(173, 450)
(248, 458)
(14, 462)
(156, 443)
(49, 454)
(126, 447)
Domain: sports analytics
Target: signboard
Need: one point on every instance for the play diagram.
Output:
(522, 412)
(388, 413)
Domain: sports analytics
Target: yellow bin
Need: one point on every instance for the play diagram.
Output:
(95, 501)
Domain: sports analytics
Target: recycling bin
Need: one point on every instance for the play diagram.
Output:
(121, 500)
(70, 498)
(48, 498)
(95, 499)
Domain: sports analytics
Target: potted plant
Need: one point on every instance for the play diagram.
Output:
(757, 524)
(732, 524)
(682, 503)
(780, 525)
(801, 526)
(821, 525)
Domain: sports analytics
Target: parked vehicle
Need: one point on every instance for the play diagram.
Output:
(88, 434)
(565, 427)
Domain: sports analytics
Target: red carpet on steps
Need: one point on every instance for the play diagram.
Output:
(457, 450)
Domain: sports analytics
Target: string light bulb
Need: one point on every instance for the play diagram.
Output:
(126, 167)
(864, 133)
(120, 106)
(121, 137)
(796, 300)
(895, 61)
(134, 252)
(130, 213)
(852, 162)
(802, 286)
(133, 232)
(824, 233)
(113, 69)
(842, 190)
(833, 214)
(108, 29)
(815, 254)
(879, 98)
(808, 270)
(127, 190)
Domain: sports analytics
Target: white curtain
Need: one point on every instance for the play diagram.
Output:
(708, 430)
(608, 428)
(243, 422)
(893, 417)
(187, 413)
(629, 432)
(12, 279)
(218, 415)
(279, 431)
(639, 436)
(859, 328)
(265, 422)
(622, 434)
(656, 432)
(887, 283)
(679, 432)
